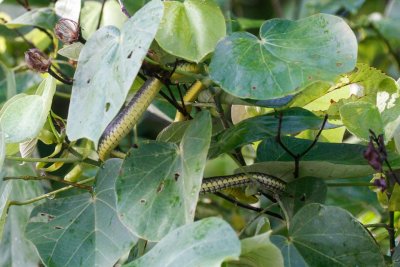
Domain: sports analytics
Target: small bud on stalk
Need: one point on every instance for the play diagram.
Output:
(67, 31)
(373, 157)
(37, 60)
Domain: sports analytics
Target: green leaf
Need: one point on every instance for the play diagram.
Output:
(360, 117)
(107, 67)
(159, 183)
(301, 192)
(23, 116)
(82, 230)
(16, 250)
(318, 238)
(41, 17)
(8, 86)
(258, 251)
(320, 169)
(71, 51)
(253, 129)
(173, 133)
(288, 56)
(207, 242)
(191, 29)
(394, 201)
(347, 154)
(331, 6)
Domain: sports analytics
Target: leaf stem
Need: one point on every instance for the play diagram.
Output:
(48, 177)
(48, 160)
(47, 195)
(243, 205)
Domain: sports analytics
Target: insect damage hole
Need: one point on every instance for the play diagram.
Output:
(108, 106)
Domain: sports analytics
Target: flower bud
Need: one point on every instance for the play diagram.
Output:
(37, 60)
(373, 157)
(67, 31)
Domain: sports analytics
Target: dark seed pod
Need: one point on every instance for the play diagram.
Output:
(37, 60)
(67, 31)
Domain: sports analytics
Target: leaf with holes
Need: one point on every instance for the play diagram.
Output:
(159, 183)
(107, 66)
(82, 230)
(288, 56)
(207, 242)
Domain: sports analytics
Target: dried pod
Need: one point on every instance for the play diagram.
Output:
(37, 60)
(67, 31)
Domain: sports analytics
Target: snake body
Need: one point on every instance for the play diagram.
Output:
(266, 183)
(120, 126)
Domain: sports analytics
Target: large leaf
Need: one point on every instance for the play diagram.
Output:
(301, 192)
(16, 250)
(159, 183)
(347, 154)
(258, 251)
(191, 29)
(41, 17)
(319, 169)
(23, 116)
(253, 129)
(360, 117)
(107, 66)
(207, 242)
(288, 56)
(82, 230)
(318, 238)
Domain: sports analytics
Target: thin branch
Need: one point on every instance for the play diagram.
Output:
(391, 232)
(48, 160)
(276, 5)
(254, 218)
(58, 77)
(279, 139)
(123, 9)
(101, 14)
(82, 158)
(242, 205)
(316, 138)
(48, 177)
(47, 195)
(175, 104)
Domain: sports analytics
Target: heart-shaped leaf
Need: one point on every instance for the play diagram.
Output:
(207, 242)
(191, 29)
(318, 238)
(82, 230)
(288, 56)
(159, 183)
(107, 66)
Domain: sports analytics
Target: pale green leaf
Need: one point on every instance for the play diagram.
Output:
(41, 17)
(84, 229)
(23, 116)
(258, 251)
(16, 250)
(191, 29)
(71, 51)
(288, 56)
(107, 66)
(360, 117)
(160, 182)
(207, 242)
(394, 201)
